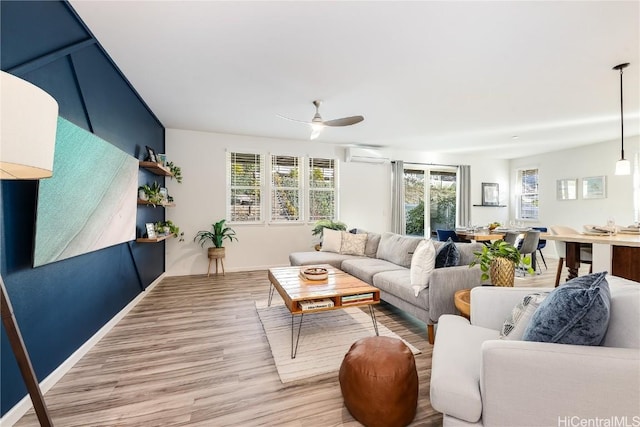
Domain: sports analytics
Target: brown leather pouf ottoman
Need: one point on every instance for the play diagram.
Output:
(379, 382)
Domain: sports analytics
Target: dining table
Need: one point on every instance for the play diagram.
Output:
(479, 236)
(619, 253)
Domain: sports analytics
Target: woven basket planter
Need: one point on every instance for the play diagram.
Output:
(214, 253)
(502, 272)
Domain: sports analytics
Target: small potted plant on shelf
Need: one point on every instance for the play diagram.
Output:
(320, 225)
(168, 227)
(152, 193)
(498, 262)
(216, 236)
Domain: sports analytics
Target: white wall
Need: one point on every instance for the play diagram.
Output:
(586, 161)
(365, 197)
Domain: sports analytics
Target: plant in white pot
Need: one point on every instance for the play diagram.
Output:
(216, 236)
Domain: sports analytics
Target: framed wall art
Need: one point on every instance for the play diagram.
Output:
(490, 194)
(594, 187)
(567, 189)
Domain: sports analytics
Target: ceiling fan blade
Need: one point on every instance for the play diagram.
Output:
(293, 120)
(345, 121)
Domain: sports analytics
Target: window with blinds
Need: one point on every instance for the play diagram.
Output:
(286, 188)
(528, 194)
(245, 172)
(322, 189)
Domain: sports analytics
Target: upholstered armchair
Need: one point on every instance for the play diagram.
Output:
(479, 379)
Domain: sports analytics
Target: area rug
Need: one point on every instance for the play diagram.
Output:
(324, 340)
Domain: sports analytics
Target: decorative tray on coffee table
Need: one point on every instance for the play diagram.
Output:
(314, 273)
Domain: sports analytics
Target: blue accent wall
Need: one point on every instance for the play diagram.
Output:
(59, 306)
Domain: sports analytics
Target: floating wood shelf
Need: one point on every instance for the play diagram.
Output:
(156, 168)
(154, 240)
(165, 205)
(491, 206)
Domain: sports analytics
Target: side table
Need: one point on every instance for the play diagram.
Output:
(462, 300)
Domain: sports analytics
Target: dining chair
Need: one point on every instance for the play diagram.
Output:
(529, 247)
(541, 244)
(443, 235)
(511, 237)
(586, 250)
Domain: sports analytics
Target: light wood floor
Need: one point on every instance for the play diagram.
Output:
(193, 353)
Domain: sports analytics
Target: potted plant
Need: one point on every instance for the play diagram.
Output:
(320, 225)
(498, 262)
(168, 227)
(216, 236)
(152, 194)
(176, 171)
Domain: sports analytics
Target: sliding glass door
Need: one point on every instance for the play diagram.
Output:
(438, 187)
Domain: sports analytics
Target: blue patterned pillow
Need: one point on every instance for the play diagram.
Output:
(574, 313)
(448, 255)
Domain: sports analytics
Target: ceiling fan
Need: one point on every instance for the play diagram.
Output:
(317, 124)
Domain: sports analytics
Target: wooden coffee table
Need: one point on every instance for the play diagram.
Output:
(295, 290)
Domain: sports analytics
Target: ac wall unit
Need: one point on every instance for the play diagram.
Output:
(365, 155)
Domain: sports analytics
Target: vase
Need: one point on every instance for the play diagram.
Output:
(502, 272)
(142, 195)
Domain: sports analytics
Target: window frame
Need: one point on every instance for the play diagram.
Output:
(521, 193)
(300, 188)
(261, 187)
(334, 189)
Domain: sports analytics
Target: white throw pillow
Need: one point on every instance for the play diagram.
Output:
(331, 240)
(353, 244)
(515, 325)
(423, 262)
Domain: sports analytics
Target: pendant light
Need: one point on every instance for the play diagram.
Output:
(623, 166)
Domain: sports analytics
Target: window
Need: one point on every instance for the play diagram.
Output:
(244, 174)
(414, 191)
(286, 188)
(299, 188)
(528, 194)
(322, 189)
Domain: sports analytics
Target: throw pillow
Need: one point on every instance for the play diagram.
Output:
(353, 244)
(515, 325)
(448, 255)
(574, 313)
(423, 262)
(331, 240)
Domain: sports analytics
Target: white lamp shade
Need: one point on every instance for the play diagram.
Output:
(623, 167)
(28, 120)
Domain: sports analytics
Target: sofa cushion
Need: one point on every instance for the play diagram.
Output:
(517, 322)
(466, 250)
(448, 255)
(373, 240)
(397, 249)
(422, 264)
(398, 283)
(574, 313)
(365, 268)
(331, 240)
(455, 368)
(353, 244)
(318, 257)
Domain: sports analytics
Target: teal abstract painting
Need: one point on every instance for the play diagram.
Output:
(90, 202)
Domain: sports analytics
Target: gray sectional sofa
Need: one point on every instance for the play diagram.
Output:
(386, 265)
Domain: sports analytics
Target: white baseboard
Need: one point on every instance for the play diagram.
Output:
(14, 414)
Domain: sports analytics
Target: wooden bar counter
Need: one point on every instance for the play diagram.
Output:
(618, 254)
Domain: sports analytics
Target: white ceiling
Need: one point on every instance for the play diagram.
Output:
(434, 76)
